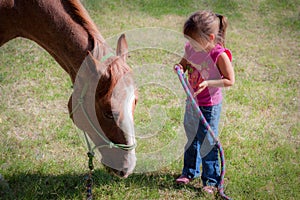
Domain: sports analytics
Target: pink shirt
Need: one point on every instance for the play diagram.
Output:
(203, 67)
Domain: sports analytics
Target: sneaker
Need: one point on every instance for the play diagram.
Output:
(183, 180)
(209, 189)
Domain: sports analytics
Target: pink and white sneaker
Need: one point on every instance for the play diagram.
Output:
(209, 189)
(183, 180)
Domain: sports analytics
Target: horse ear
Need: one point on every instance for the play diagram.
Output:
(90, 62)
(93, 66)
(122, 47)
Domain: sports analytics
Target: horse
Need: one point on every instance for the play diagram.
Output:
(104, 97)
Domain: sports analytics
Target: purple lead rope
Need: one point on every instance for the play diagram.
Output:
(204, 122)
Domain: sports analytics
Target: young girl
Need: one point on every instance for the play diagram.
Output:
(209, 68)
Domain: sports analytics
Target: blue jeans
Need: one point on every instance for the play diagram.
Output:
(200, 148)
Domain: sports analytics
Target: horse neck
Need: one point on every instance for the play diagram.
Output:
(53, 27)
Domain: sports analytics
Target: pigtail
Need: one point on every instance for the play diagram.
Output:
(222, 29)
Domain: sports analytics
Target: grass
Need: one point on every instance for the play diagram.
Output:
(43, 155)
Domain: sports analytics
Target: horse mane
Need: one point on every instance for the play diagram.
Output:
(81, 16)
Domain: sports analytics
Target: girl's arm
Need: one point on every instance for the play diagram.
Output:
(226, 70)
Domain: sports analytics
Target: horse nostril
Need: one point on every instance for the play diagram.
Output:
(122, 174)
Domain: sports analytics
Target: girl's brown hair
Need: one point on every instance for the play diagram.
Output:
(203, 23)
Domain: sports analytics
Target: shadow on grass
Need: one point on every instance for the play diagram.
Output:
(42, 186)
(72, 186)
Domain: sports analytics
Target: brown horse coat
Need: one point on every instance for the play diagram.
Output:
(65, 30)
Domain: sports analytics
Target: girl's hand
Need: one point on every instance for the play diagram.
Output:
(202, 86)
(180, 67)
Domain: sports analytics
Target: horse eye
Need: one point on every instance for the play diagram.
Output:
(108, 115)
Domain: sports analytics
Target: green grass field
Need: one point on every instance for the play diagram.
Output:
(43, 155)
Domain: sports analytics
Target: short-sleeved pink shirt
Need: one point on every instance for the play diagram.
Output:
(203, 67)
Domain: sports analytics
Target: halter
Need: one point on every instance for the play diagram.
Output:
(108, 142)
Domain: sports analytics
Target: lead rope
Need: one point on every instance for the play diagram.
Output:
(207, 126)
(88, 178)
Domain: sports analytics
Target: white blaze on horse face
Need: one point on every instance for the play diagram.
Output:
(127, 125)
(123, 101)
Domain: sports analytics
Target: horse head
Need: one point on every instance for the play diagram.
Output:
(102, 105)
